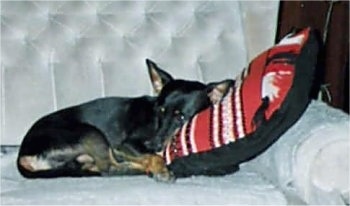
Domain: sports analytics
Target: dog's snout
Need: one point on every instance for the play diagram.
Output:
(149, 144)
(158, 148)
(153, 145)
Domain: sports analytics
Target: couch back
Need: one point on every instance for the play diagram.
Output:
(58, 54)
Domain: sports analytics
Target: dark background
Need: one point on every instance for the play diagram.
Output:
(335, 53)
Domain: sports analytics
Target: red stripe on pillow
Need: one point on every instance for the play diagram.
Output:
(203, 130)
(251, 90)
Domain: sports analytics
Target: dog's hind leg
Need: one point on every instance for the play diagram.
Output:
(95, 156)
(54, 163)
(33, 163)
(73, 150)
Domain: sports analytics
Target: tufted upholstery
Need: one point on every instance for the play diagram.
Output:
(56, 54)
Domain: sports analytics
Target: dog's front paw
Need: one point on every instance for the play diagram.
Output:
(167, 177)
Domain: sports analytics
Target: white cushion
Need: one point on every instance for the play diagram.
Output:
(312, 158)
(243, 187)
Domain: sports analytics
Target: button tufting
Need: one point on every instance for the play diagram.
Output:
(50, 16)
(101, 44)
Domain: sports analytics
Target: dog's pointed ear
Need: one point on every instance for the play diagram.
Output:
(158, 77)
(217, 90)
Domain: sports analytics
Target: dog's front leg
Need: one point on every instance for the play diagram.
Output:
(150, 164)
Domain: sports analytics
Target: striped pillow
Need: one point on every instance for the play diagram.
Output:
(266, 99)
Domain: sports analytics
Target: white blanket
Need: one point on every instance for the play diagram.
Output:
(243, 187)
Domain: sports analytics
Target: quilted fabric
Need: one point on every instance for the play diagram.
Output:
(56, 54)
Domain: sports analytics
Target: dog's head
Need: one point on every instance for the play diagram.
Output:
(178, 101)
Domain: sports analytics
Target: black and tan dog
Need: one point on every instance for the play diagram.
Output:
(109, 136)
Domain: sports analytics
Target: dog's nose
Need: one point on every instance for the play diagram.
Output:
(152, 145)
(148, 144)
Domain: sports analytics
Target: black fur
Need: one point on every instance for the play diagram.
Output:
(75, 141)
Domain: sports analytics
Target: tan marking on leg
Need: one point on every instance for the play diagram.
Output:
(25, 162)
(85, 158)
(148, 163)
(112, 159)
(33, 163)
(89, 163)
(90, 167)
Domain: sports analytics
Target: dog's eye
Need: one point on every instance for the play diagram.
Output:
(162, 109)
(179, 115)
